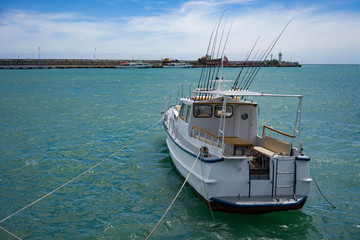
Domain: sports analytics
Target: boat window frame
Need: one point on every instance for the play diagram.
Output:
(181, 111)
(226, 112)
(187, 114)
(199, 115)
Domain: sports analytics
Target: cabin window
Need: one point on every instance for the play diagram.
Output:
(202, 111)
(228, 112)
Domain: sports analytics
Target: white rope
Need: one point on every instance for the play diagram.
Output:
(187, 177)
(46, 195)
(320, 189)
(207, 195)
(10, 233)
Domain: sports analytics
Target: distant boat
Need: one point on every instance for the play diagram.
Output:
(137, 64)
(177, 65)
(169, 63)
(207, 60)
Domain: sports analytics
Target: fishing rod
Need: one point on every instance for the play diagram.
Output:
(223, 51)
(200, 84)
(270, 50)
(210, 72)
(246, 59)
(249, 72)
(261, 60)
(213, 78)
(207, 73)
(266, 54)
(202, 80)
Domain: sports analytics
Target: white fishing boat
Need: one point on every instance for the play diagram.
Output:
(239, 169)
(177, 65)
(137, 64)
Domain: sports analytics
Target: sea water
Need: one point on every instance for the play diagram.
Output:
(57, 123)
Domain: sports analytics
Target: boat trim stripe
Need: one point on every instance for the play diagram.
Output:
(300, 158)
(258, 205)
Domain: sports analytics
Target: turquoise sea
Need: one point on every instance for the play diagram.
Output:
(57, 123)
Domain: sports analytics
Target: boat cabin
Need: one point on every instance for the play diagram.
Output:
(234, 131)
(240, 123)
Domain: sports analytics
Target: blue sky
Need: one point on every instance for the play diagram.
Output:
(324, 31)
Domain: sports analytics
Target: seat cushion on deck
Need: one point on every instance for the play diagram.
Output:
(277, 146)
(264, 151)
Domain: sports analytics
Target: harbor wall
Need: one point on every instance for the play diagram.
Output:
(103, 63)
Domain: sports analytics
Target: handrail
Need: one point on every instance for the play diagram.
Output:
(203, 130)
(277, 131)
(208, 138)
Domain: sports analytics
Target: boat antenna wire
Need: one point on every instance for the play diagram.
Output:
(177, 195)
(78, 176)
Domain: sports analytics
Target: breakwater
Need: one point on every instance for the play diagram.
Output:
(104, 63)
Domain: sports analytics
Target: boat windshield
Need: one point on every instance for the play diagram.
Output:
(228, 112)
(202, 111)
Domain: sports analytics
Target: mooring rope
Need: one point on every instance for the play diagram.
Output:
(172, 203)
(207, 195)
(68, 182)
(10, 233)
(320, 190)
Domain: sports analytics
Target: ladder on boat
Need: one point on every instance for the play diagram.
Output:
(279, 172)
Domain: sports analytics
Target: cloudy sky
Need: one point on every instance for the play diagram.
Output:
(322, 31)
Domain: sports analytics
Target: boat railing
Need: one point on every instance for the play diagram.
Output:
(275, 142)
(173, 98)
(205, 136)
(277, 134)
(170, 124)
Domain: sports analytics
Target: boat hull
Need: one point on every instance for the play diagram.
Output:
(255, 205)
(183, 160)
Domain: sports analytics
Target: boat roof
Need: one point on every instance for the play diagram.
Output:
(243, 93)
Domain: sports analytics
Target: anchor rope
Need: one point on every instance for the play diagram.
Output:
(173, 201)
(73, 179)
(320, 189)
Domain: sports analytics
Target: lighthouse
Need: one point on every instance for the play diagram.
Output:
(280, 57)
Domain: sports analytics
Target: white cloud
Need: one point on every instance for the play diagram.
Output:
(312, 37)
